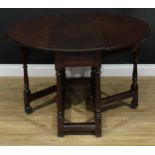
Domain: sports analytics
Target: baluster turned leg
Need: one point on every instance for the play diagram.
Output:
(134, 86)
(60, 105)
(65, 104)
(97, 98)
(27, 93)
(92, 86)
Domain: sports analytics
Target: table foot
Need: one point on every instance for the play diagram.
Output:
(60, 133)
(134, 102)
(98, 134)
(27, 94)
(133, 106)
(28, 110)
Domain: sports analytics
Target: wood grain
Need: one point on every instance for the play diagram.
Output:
(120, 126)
(79, 32)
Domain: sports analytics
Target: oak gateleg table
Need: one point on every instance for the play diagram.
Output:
(79, 40)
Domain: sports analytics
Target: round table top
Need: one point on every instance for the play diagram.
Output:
(79, 32)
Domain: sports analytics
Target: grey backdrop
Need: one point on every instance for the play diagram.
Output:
(9, 52)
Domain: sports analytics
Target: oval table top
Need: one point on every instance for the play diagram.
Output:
(79, 32)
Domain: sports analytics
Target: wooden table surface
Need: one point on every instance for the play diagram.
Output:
(79, 32)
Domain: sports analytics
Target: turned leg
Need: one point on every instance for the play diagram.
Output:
(27, 93)
(60, 104)
(134, 86)
(97, 98)
(65, 104)
(92, 86)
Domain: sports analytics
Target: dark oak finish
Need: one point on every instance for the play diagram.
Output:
(117, 97)
(27, 92)
(134, 86)
(60, 102)
(63, 60)
(80, 40)
(79, 32)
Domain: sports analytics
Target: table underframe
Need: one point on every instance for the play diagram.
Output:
(98, 102)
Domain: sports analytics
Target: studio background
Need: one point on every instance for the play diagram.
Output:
(9, 52)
